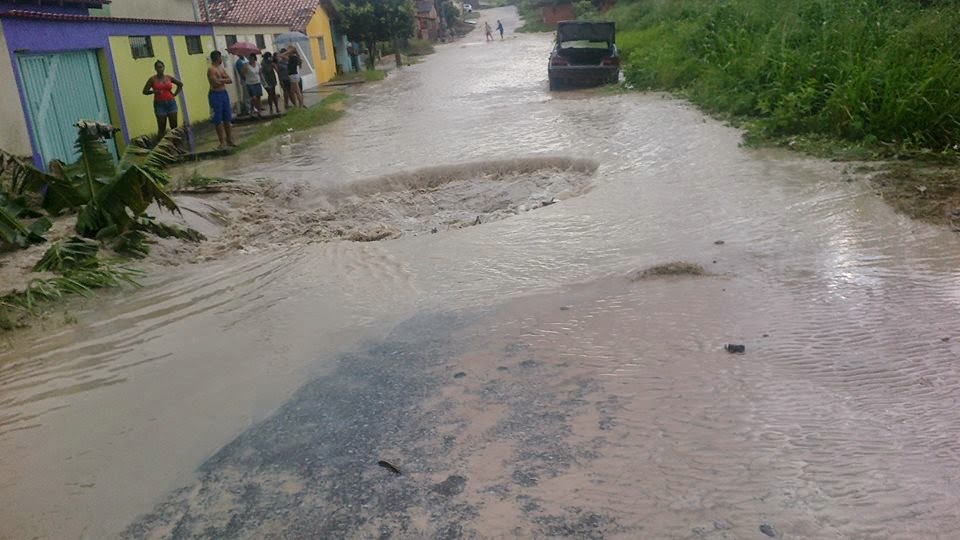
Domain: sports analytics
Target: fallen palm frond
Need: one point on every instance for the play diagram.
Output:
(67, 255)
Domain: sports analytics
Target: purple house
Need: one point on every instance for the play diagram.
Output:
(63, 64)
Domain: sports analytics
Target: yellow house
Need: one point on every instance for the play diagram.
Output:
(311, 17)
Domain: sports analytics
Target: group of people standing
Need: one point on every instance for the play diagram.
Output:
(282, 67)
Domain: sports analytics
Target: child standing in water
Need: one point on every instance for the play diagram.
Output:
(500, 29)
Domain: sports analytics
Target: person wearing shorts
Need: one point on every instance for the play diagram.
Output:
(161, 86)
(293, 69)
(251, 77)
(219, 100)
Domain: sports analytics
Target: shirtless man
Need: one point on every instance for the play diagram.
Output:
(220, 101)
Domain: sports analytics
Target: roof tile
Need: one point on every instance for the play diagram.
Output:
(293, 13)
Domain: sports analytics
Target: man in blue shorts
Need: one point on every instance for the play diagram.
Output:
(220, 100)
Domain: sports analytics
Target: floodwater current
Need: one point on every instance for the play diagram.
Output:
(519, 382)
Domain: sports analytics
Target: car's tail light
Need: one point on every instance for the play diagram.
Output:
(559, 61)
(612, 61)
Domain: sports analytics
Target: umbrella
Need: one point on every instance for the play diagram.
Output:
(290, 37)
(243, 48)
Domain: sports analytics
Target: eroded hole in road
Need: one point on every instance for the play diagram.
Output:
(438, 199)
(242, 216)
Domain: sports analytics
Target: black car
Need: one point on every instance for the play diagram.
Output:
(585, 55)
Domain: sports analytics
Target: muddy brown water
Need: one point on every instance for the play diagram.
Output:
(522, 384)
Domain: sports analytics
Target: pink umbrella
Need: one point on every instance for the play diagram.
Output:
(243, 48)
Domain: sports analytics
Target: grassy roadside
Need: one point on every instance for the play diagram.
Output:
(297, 119)
(530, 15)
(873, 79)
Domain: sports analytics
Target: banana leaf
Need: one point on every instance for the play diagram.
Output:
(13, 230)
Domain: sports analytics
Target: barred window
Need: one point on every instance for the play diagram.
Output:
(261, 43)
(194, 45)
(231, 39)
(141, 47)
(323, 48)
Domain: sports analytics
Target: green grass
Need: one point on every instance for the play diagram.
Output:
(418, 47)
(297, 120)
(374, 75)
(882, 75)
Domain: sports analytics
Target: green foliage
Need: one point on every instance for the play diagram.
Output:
(298, 119)
(532, 20)
(67, 255)
(586, 10)
(80, 271)
(873, 71)
(374, 75)
(418, 47)
(13, 230)
(450, 13)
(93, 274)
(373, 21)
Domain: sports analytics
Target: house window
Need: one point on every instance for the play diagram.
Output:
(194, 45)
(323, 48)
(231, 39)
(141, 47)
(261, 43)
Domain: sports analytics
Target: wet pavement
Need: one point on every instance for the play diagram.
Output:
(519, 381)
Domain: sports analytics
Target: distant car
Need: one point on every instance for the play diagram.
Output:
(585, 54)
(468, 8)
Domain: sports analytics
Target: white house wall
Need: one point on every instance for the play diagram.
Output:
(243, 33)
(13, 126)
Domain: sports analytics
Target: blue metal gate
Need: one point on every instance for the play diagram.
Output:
(61, 89)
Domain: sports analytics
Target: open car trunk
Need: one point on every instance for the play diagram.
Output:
(602, 32)
(585, 43)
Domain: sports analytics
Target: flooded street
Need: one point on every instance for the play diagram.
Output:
(491, 347)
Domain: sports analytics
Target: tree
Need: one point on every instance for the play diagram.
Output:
(371, 21)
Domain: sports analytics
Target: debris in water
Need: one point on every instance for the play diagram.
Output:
(477, 222)
(945, 339)
(551, 201)
(564, 308)
(768, 530)
(735, 349)
(459, 375)
(434, 231)
(719, 242)
(373, 235)
(766, 335)
(389, 466)
(677, 268)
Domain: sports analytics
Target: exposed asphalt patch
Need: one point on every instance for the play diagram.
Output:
(311, 469)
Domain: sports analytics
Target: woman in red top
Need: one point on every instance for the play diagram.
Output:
(164, 98)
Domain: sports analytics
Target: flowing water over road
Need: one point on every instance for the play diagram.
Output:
(522, 385)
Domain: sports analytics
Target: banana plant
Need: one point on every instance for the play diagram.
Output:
(110, 197)
(12, 229)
